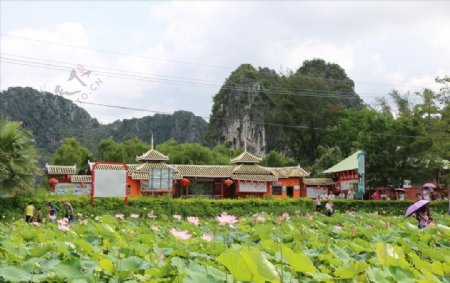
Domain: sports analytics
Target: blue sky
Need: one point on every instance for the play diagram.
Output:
(381, 45)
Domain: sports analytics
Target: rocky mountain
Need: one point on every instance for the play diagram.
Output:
(287, 113)
(51, 118)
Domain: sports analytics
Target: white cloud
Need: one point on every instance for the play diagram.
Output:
(382, 46)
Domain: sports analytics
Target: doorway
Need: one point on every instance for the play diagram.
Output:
(290, 191)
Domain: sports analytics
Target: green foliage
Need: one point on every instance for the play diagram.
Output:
(193, 153)
(13, 207)
(354, 247)
(110, 151)
(126, 152)
(275, 159)
(328, 157)
(18, 159)
(52, 118)
(71, 152)
(396, 148)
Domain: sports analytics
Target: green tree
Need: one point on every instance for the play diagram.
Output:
(133, 148)
(313, 98)
(110, 151)
(17, 158)
(275, 159)
(345, 134)
(328, 156)
(71, 152)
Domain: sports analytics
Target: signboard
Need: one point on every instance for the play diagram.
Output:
(313, 192)
(361, 173)
(73, 189)
(407, 184)
(252, 187)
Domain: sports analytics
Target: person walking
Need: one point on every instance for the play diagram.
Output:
(69, 210)
(29, 212)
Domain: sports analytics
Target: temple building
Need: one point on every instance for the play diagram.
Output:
(243, 177)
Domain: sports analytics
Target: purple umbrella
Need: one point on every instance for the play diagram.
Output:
(416, 206)
(429, 185)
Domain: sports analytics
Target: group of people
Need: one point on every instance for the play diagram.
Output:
(31, 214)
(328, 206)
(341, 195)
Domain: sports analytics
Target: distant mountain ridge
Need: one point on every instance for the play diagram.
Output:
(51, 118)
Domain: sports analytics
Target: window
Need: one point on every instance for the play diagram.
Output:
(277, 190)
(160, 179)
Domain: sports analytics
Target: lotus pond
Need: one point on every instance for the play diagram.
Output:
(260, 248)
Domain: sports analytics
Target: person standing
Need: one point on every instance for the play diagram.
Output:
(329, 208)
(52, 210)
(38, 215)
(69, 210)
(29, 212)
(317, 203)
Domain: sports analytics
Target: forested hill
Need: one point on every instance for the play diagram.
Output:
(286, 113)
(51, 118)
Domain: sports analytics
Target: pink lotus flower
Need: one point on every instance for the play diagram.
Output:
(97, 218)
(63, 227)
(160, 257)
(193, 220)
(155, 228)
(134, 215)
(286, 216)
(177, 217)
(180, 235)
(207, 238)
(224, 219)
(63, 221)
(36, 223)
(120, 216)
(260, 218)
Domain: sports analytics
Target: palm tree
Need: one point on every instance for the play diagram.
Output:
(18, 157)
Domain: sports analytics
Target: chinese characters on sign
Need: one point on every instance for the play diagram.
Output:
(361, 173)
(83, 77)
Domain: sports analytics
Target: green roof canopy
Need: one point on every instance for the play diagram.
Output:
(349, 163)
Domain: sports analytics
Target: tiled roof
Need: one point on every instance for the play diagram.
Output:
(140, 175)
(177, 175)
(287, 172)
(349, 163)
(254, 177)
(81, 178)
(251, 169)
(245, 157)
(132, 168)
(109, 167)
(318, 181)
(61, 169)
(204, 170)
(152, 155)
(144, 167)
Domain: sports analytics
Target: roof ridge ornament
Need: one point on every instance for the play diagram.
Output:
(152, 141)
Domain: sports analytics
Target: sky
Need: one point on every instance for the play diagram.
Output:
(164, 56)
